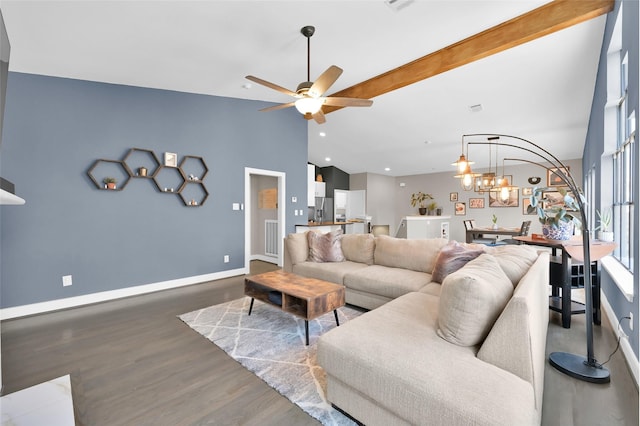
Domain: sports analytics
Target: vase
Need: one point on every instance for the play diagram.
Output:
(422, 211)
(562, 232)
(494, 226)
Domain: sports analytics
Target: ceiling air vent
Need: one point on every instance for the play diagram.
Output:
(398, 5)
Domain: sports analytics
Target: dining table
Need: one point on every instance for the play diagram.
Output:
(479, 231)
(572, 249)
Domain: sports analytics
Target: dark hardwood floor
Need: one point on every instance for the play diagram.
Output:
(133, 362)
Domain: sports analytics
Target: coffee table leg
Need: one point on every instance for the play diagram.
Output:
(306, 330)
(335, 312)
(251, 306)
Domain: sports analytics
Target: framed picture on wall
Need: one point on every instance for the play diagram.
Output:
(496, 201)
(526, 202)
(555, 176)
(555, 199)
(171, 159)
(476, 203)
(461, 209)
(527, 191)
(453, 196)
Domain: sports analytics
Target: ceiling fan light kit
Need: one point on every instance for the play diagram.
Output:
(309, 95)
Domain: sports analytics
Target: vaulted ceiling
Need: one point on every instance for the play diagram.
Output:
(530, 65)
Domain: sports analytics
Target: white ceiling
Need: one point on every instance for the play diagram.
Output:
(540, 91)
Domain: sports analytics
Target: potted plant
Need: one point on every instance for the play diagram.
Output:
(431, 208)
(557, 222)
(418, 199)
(110, 182)
(603, 229)
(494, 220)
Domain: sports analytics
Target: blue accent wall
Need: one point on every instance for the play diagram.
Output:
(56, 128)
(594, 149)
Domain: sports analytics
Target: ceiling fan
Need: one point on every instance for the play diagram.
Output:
(309, 94)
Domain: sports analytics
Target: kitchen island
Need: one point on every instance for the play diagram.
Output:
(323, 227)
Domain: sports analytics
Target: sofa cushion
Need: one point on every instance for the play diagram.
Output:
(416, 255)
(515, 260)
(452, 257)
(385, 281)
(471, 300)
(297, 247)
(331, 271)
(358, 247)
(325, 247)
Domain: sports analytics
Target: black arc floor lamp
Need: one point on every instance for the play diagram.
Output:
(577, 366)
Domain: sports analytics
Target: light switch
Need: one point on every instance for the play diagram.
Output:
(294, 199)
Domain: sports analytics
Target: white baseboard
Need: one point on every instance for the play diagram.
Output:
(625, 346)
(265, 258)
(104, 296)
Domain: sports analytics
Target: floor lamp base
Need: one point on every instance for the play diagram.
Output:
(577, 367)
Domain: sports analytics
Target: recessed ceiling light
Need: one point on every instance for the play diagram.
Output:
(322, 134)
(427, 142)
(327, 159)
(247, 86)
(476, 108)
(387, 169)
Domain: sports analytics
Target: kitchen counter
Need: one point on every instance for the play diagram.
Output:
(323, 226)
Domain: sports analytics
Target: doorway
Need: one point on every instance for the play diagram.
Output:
(251, 216)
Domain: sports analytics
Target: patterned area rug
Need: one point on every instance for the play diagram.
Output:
(271, 344)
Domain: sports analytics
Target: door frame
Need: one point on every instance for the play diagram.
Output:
(282, 196)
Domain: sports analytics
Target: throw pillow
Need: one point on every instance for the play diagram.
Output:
(298, 247)
(515, 260)
(471, 300)
(325, 247)
(452, 257)
(358, 247)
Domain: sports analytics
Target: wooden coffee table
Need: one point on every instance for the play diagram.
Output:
(307, 298)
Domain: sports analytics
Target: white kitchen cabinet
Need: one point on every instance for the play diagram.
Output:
(320, 189)
(311, 185)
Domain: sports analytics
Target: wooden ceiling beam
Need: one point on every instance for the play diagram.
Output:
(549, 18)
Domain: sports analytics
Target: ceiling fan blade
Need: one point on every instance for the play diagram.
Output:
(345, 102)
(319, 117)
(277, 107)
(325, 81)
(272, 86)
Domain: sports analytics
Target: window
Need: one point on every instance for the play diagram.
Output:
(623, 171)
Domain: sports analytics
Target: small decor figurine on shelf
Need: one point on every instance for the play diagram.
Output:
(142, 171)
(494, 220)
(557, 223)
(603, 229)
(110, 182)
(418, 199)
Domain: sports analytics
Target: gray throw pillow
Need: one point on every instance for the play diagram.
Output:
(452, 257)
(325, 247)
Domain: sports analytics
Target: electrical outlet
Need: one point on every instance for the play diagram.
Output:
(226, 258)
(66, 281)
(631, 321)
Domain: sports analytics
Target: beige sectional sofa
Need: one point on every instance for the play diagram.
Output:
(468, 350)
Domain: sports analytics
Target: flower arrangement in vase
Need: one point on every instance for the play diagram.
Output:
(557, 222)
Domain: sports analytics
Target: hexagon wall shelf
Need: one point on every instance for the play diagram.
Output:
(143, 163)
